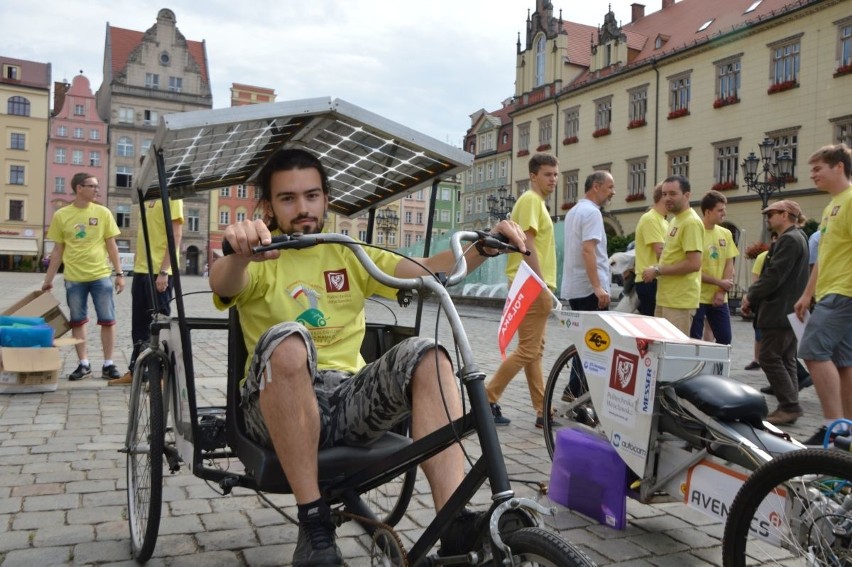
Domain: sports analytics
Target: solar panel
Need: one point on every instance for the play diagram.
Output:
(370, 160)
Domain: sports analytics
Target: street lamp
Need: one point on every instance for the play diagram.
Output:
(386, 221)
(775, 173)
(500, 205)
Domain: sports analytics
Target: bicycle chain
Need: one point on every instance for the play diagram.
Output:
(381, 529)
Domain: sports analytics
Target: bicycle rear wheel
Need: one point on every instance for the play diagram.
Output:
(794, 510)
(146, 438)
(390, 500)
(539, 547)
(566, 397)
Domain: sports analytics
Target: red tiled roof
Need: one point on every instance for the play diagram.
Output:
(123, 42)
(579, 40)
(33, 73)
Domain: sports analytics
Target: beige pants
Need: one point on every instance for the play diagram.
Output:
(680, 318)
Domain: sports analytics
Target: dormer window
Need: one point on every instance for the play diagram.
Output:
(660, 41)
(705, 25)
(753, 6)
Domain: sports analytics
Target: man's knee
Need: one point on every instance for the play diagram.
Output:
(290, 356)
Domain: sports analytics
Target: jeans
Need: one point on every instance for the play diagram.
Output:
(77, 296)
(588, 303)
(143, 311)
(719, 318)
(647, 294)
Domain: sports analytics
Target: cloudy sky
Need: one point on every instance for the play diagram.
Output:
(425, 64)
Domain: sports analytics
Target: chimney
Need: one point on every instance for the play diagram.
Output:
(638, 12)
(668, 4)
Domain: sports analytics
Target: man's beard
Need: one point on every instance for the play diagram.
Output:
(319, 223)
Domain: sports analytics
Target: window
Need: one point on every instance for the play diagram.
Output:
(78, 133)
(77, 157)
(486, 142)
(603, 113)
(489, 171)
(240, 215)
(785, 62)
(18, 141)
(225, 192)
(150, 117)
(407, 217)
(502, 169)
(59, 185)
(477, 207)
(571, 185)
(362, 235)
(572, 122)
(419, 217)
(18, 105)
(445, 215)
(753, 6)
(123, 176)
(193, 220)
(844, 47)
(94, 134)
(524, 137)
(224, 216)
(705, 25)
(126, 115)
(12, 72)
(728, 81)
(392, 238)
(152, 81)
(445, 194)
(545, 130)
(344, 231)
(727, 162)
(843, 131)
(380, 238)
(175, 84)
(638, 106)
(468, 206)
(480, 173)
(407, 240)
(679, 163)
(242, 192)
(16, 210)
(146, 145)
(79, 110)
(122, 216)
(787, 140)
(125, 146)
(16, 174)
(680, 94)
(62, 131)
(636, 177)
(540, 57)
(94, 158)
(60, 155)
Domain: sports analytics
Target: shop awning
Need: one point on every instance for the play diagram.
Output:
(18, 247)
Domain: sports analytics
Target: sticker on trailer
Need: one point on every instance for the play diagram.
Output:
(620, 399)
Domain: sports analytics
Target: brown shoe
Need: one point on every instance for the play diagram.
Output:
(783, 417)
(125, 380)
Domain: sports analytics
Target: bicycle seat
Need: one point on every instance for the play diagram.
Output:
(723, 398)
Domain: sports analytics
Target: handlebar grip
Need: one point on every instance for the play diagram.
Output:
(227, 249)
(499, 241)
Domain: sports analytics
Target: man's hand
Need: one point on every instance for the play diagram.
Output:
(745, 306)
(649, 274)
(245, 235)
(718, 298)
(119, 284)
(603, 297)
(726, 285)
(802, 306)
(162, 282)
(513, 232)
(47, 285)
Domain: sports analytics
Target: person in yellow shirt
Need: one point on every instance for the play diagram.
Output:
(306, 386)
(650, 235)
(679, 270)
(150, 285)
(717, 271)
(755, 273)
(84, 233)
(826, 345)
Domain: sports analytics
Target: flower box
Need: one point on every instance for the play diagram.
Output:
(724, 186)
(781, 87)
(843, 70)
(543, 148)
(601, 132)
(725, 101)
(567, 206)
(753, 250)
(522, 153)
(570, 140)
(638, 123)
(678, 113)
(636, 197)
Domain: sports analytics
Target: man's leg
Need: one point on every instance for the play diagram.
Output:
(77, 297)
(777, 358)
(826, 379)
(535, 326)
(647, 293)
(680, 318)
(104, 300)
(696, 329)
(719, 317)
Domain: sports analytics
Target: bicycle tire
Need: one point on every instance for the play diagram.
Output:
(817, 528)
(145, 453)
(542, 548)
(560, 399)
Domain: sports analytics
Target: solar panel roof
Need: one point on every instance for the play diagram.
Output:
(370, 160)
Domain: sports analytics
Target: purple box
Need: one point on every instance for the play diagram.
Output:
(589, 477)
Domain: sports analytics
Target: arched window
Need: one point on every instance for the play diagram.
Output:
(18, 105)
(125, 146)
(539, 60)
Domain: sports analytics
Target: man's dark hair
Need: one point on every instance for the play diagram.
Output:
(595, 177)
(682, 182)
(711, 199)
(539, 160)
(287, 160)
(832, 155)
(79, 179)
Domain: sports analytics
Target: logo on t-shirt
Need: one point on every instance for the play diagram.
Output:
(723, 242)
(93, 221)
(834, 211)
(336, 281)
(673, 231)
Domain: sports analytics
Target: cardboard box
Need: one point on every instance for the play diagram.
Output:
(41, 304)
(28, 370)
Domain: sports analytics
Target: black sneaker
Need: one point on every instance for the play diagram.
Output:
(81, 373)
(463, 535)
(110, 372)
(498, 416)
(818, 438)
(316, 545)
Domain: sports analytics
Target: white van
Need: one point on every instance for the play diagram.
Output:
(126, 260)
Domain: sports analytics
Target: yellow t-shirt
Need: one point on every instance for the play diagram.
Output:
(758, 263)
(156, 233)
(650, 229)
(835, 247)
(686, 234)
(324, 288)
(719, 246)
(530, 213)
(84, 232)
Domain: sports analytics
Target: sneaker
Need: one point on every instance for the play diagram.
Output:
(463, 535)
(81, 373)
(125, 380)
(818, 438)
(783, 417)
(539, 421)
(753, 365)
(498, 416)
(316, 546)
(110, 372)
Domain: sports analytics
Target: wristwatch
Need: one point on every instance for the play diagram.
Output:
(657, 270)
(119, 274)
(163, 273)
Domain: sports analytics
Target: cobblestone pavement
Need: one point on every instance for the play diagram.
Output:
(62, 479)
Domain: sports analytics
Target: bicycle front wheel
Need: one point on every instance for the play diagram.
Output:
(146, 438)
(566, 397)
(539, 547)
(794, 510)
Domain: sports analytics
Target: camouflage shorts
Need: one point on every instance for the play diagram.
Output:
(354, 409)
